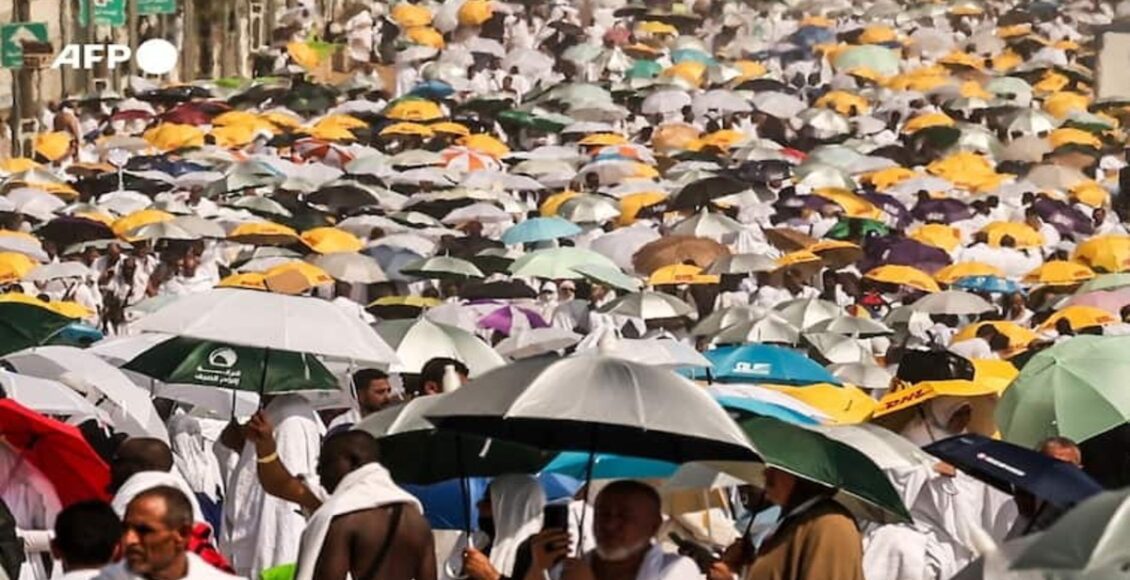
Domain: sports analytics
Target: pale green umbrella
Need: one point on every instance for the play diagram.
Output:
(420, 340)
(558, 263)
(609, 276)
(1074, 389)
(1105, 282)
(442, 267)
(871, 56)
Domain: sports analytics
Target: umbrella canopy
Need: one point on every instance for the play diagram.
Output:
(557, 263)
(56, 449)
(418, 341)
(271, 321)
(533, 342)
(539, 229)
(953, 302)
(648, 305)
(46, 396)
(763, 364)
(1085, 540)
(1011, 468)
(595, 404)
(181, 360)
(26, 321)
(405, 435)
(442, 267)
(350, 267)
(1070, 389)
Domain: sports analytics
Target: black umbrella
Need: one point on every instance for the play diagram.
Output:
(177, 94)
(698, 194)
(69, 230)
(505, 290)
(933, 365)
(1010, 467)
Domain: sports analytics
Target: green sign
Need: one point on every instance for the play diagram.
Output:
(106, 12)
(156, 7)
(12, 37)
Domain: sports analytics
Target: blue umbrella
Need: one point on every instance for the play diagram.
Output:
(539, 229)
(392, 259)
(1010, 467)
(445, 509)
(77, 334)
(609, 466)
(991, 284)
(690, 54)
(809, 36)
(763, 363)
(433, 89)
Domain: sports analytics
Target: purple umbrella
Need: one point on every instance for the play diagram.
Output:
(891, 206)
(510, 318)
(943, 210)
(905, 252)
(1066, 219)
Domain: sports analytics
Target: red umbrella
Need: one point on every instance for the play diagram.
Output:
(58, 450)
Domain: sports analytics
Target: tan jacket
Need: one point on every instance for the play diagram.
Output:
(821, 543)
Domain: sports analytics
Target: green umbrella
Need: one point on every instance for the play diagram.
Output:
(25, 325)
(182, 360)
(1074, 389)
(1105, 282)
(860, 483)
(547, 123)
(442, 267)
(557, 263)
(405, 436)
(867, 227)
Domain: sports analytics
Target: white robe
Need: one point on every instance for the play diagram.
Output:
(261, 531)
(198, 569)
(31, 498)
(194, 458)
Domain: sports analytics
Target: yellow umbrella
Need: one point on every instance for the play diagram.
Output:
(332, 133)
(657, 28)
(1105, 253)
(139, 218)
(425, 36)
(919, 393)
(233, 136)
(690, 71)
(170, 136)
(1079, 317)
(247, 281)
(632, 204)
(1090, 193)
(1021, 233)
(885, 178)
(1059, 273)
(966, 10)
(836, 253)
(17, 164)
(552, 203)
(416, 301)
(1051, 82)
(680, 274)
(993, 373)
(303, 55)
(603, 140)
(1071, 136)
(406, 130)
(674, 137)
(963, 59)
(450, 128)
(877, 34)
(409, 15)
(281, 120)
(723, 139)
(749, 69)
(414, 110)
(1006, 61)
(342, 120)
(475, 12)
(974, 90)
(312, 274)
(53, 146)
(938, 235)
(817, 21)
(903, 276)
(263, 233)
(70, 309)
(964, 168)
(927, 120)
(1019, 337)
(237, 117)
(854, 205)
(1014, 31)
(955, 272)
(846, 405)
(485, 144)
(1062, 104)
(14, 266)
(844, 103)
(326, 240)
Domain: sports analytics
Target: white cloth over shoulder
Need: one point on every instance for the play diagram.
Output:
(368, 487)
(517, 502)
(195, 461)
(198, 569)
(261, 531)
(659, 565)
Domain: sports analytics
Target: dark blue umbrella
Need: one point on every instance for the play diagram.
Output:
(1010, 468)
(941, 211)
(809, 36)
(908, 252)
(763, 363)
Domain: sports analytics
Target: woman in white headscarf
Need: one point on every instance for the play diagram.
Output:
(509, 514)
(939, 418)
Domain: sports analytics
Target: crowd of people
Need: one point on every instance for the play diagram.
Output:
(904, 218)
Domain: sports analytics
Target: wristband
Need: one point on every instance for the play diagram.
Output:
(269, 459)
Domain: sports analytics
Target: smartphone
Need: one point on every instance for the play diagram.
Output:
(555, 516)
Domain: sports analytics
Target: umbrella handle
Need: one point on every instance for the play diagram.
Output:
(588, 487)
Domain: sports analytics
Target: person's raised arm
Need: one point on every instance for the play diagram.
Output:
(273, 475)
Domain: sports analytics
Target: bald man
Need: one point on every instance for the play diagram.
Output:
(627, 517)
(368, 528)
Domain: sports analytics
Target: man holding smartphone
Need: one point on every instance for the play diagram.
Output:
(627, 517)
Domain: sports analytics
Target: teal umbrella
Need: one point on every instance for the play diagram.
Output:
(190, 361)
(1074, 389)
(644, 69)
(860, 485)
(551, 123)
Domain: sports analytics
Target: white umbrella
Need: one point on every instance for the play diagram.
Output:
(665, 101)
(58, 271)
(161, 231)
(415, 243)
(351, 267)
(35, 202)
(721, 100)
(648, 305)
(803, 313)
(621, 244)
(593, 209)
(850, 326)
(707, 224)
(200, 226)
(480, 212)
(837, 348)
(536, 341)
(658, 351)
(742, 264)
(867, 375)
(128, 405)
(725, 318)
(271, 321)
(779, 105)
(420, 340)
(19, 244)
(952, 302)
(47, 396)
(769, 328)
